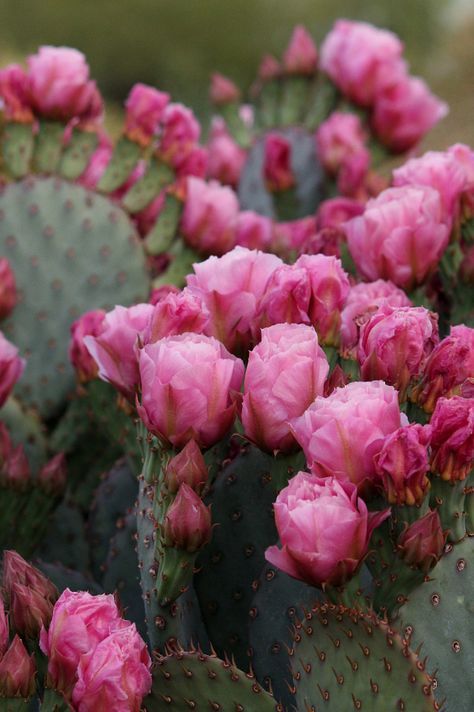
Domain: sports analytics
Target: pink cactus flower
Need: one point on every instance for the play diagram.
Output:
(253, 231)
(292, 236)
(338, 138)
(144, 108)
(363, 300)
(231, 288)
(324, 528)
(269, 68)
(286, 299)
(285, 373)
(341, 434)
(226, 157)
(89, 324)
(464, 157)
(80, 622)
(180, 132)
(59, 85)
(11, 367)
(176, 314)
(332, 213)
(188, 389)
(209, 216)
(301, 55)
(357, 57)
(114, 348)
(405, 110)
(437, 170)
(401, 236)
(395, 343)
(115, 675)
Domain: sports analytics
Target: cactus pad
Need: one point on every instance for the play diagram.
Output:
(71, 251)
(439, 616)
(191, 680)
(349, 660)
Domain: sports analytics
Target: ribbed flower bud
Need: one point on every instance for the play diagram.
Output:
(187, 467)
(17, 671)
(188, 521)
(422, 543)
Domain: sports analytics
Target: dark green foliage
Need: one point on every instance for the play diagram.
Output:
(71, 251)
(25, 428)
(439, 619)
(192, 680)
(63, 577)
(114, 499)
(65, 541)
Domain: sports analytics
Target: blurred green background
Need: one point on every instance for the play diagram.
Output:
(176, 44)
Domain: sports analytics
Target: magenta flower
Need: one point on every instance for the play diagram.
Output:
(89, 324)
(11, 367)
(301, 55)
(209, 216)
(144, 108)
(452, 438)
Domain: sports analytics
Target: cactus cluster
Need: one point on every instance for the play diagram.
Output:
(253, 492)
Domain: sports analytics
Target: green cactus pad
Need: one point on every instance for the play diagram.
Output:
(346, 660)
(439, 616)
(71, 251)
(17, 148)
(25, 428)
(191, 680)
(114, 498)
(63, 578)
(242, 509)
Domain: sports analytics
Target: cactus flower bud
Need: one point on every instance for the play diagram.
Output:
(402, 464)
(17, 570)
(7, 288)
(452, 438)
(422, 543)
(15, 472)
(144, 108)
(187, 467)
(14, 94)
(29, 609)
(277, 167)
(188, 521)
(223, 90)
(301, 55)
(52, 476)
(4, 631)
(180, 132)
(11, 368)
(17, 671)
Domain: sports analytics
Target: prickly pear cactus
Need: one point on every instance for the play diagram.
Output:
(346, 659)
(71, 251)
(438, 619)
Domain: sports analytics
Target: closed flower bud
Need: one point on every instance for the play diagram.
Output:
(395, 343)
(29, 609)
(188, 521)
(17, 671)
(4, 629)
(226, 157)
(324, 528)
(7, 288)
(402, 465)
(15, 472)
(14, 94)
(277, 167)
(269, 68)
(422, 543)
(452, 438)
(11, 368)
(52, 476)
(179, 134)
(187, 467)
(223, 90)
(301, 55)
(17, 570)
(144, 108)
